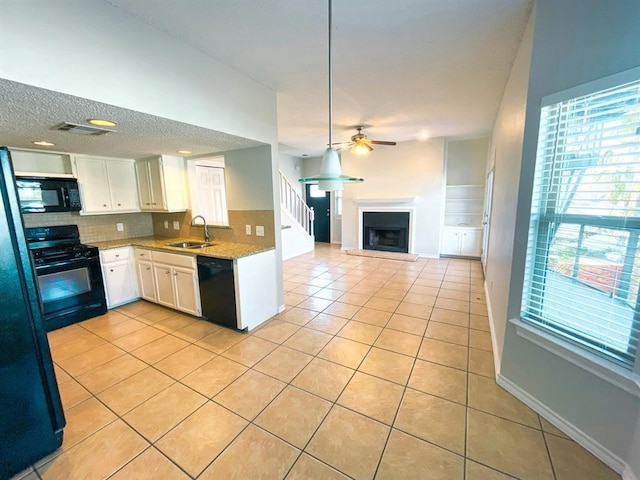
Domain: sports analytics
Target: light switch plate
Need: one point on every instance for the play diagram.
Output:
(247, 229)
(120, 227)
(259, 230)
(166, 224)
(176, 225)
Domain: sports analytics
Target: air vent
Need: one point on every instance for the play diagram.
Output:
(81, 129)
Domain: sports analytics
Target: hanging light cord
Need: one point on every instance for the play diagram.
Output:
(330, 83)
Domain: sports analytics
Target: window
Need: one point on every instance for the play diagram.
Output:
(583, 256)
(208, 190)
(338, 200)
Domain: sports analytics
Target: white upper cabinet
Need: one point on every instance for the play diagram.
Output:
(106, 185)
(161, 184)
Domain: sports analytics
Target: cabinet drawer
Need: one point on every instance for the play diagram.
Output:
(142, 254)
(115, 254)
(173, 259)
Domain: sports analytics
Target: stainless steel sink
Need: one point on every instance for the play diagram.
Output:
(192, 244)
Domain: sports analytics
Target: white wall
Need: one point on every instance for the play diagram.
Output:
(410, 169)
(506, 153)
(467, 161)
(291, 168)
(246, 171)
(91, 49)
(567, 50)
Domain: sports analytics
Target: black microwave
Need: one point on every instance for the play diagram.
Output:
(47, 194)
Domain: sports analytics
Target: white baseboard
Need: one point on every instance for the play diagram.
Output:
(605, 455)
(627, 474)
(282, 308)
(497, 354)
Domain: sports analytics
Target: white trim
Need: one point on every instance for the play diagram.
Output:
(604, 83)
(282, 308)
(497, 353)
(621, 378)
(628, 474)
(410, 210)
(601, 452)
(362, 200)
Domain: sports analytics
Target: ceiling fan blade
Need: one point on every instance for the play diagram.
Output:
(380, 142)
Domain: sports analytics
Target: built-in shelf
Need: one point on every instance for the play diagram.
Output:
(464, 205)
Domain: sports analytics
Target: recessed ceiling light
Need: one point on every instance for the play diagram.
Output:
(185, 152)
(101, 123)
(424, 134)
(42, 143)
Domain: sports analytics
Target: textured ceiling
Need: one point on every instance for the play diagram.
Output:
(27, 114)
(402, 67)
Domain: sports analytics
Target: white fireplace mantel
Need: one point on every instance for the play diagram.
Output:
(383, 200)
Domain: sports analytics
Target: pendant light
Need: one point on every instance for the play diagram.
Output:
(330, 177)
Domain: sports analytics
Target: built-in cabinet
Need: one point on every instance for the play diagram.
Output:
(161, 184)
(461, 241)
(462, 230)
(119, 276)
(107, 185)
(168, 279)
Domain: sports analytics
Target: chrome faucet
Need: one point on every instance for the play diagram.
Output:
(204, 222)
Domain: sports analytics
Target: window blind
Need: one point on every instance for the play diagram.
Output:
(582, 274)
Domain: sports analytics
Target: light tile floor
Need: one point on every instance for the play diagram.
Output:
(376, 369)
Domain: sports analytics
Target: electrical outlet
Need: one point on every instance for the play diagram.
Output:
(176, 225)
(259, 231)
(247, 229)
(120, 227)
(166, 224)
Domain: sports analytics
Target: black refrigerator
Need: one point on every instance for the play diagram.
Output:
(31, 416)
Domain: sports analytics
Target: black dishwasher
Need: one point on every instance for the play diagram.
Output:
(217, 291)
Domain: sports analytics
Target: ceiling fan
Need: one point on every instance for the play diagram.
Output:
(361, 144)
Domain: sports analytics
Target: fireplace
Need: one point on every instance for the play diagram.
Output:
(386, 231)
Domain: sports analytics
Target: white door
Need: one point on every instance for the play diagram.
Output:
(146, 281)
(470, 242)
(450, 241)
(120, 287)
(164, 285)
(122, 183)
(156, 181)
(486, 220)
(144, 185)
(94, 185)
(187, 292)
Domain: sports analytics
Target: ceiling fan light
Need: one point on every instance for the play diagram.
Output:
(361, 149)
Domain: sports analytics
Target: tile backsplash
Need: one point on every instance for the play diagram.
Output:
(96, 228)
(236, 232)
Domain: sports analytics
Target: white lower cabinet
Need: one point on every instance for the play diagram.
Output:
(146, 282)
(462, 241)
(118, 276)
(175, 280)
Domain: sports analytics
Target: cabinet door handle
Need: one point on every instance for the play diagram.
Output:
(167, 272)
(111, 270)
(175, 274)
(104, 205)
(119, 204)
(117, 255)
(148, 268)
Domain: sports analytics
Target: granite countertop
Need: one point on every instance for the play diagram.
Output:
(220, 249)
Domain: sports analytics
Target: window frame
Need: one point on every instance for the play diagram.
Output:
(535, 330)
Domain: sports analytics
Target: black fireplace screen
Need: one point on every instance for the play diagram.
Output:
(386, 231)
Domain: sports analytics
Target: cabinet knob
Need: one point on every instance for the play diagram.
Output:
(104, 204)
(111, 270)
(153, 203)
(167, 272)
(147, 203)
(119, 204)
(117, 255)
(148, 268)
(175, 274)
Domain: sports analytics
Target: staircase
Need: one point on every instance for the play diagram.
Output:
(297, 221)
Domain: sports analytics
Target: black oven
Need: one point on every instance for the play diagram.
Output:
(43, 194)
(68, 275)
